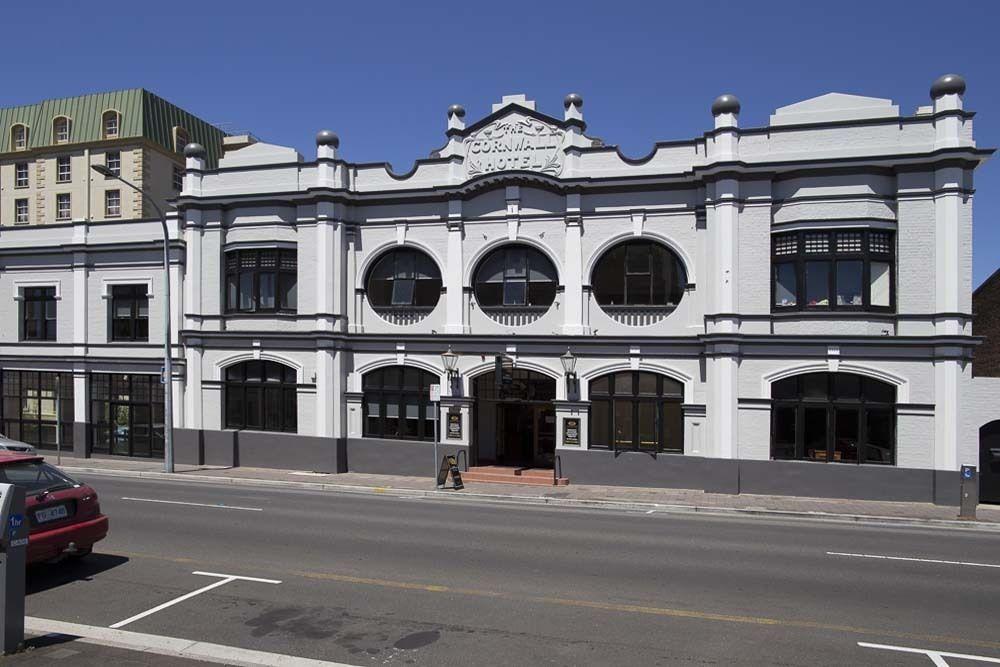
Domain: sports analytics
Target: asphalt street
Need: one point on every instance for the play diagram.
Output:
(389, 579)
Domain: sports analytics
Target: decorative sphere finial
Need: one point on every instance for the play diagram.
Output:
(456, 110)
(327, 138)
(725, 104)
(948, 84)
(573, 99)
(194, 150)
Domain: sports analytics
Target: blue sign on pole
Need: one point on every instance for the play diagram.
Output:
(967, 472)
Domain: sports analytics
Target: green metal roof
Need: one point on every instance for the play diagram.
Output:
(143, 114)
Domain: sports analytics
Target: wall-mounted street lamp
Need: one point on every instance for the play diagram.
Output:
(569, 364)
(450, 361)
(168, 372)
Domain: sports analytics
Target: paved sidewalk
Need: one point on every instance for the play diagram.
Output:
(677, 499)
(63, 650)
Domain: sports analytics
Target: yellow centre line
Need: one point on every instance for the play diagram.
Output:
(603, 606)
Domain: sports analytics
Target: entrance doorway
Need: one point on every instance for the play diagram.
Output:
(514, 424)
(989, 463)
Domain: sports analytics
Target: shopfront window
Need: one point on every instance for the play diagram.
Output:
(29, 411)
(261, 396)
(837, 417)
(638, 411)
(397, 403)
(126, 414)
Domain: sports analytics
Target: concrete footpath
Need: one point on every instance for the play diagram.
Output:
(587, 496)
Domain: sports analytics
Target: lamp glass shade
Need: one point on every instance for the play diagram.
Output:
(568, 363)
(450, 360)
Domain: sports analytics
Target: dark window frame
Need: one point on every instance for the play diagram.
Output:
(800, 257)
(251, 377)
(419, 257)
(668, 391)
(864, 403)
(35, 307)
(130, 395)
(676, 288)
(247, 262)
(532, 257)
(15, 390)
(135, 296)
(376, 390)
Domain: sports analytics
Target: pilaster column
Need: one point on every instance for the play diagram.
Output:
(455, 322)
(194, 166)
(949, 270)
(80, 311)
(326, 395)
(194, 404)
(331, 271)
(193, 269)
(573, 324)
(81, 395)
(327, 144)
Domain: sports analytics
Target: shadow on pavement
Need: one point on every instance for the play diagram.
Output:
(45, 576)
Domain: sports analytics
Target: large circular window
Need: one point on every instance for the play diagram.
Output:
(404, 285)
(515, 281)
(639, 282)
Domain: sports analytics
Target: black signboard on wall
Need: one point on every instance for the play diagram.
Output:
(571, 431)
(454, 426)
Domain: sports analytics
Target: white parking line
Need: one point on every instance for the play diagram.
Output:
(226, 578)
(911, 560)
(937, 657)
(179, 502)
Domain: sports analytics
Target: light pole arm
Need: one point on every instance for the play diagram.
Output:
(168, 370)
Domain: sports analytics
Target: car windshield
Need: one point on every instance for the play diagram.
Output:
(34, 476)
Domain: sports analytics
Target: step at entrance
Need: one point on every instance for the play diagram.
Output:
(511, 475)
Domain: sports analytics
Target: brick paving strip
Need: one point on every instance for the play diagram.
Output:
(611, 497)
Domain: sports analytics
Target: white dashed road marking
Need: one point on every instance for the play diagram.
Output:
(226, 578)
(937, 657)
(217, 506)
(911, 560)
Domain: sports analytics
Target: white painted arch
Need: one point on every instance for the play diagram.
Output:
(650, 367)
(224, 363)
(647, 235)
(376, 253)
(375, 364)
(902, 384)
(469, 269)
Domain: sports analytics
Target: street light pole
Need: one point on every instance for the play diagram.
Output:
(168, 371)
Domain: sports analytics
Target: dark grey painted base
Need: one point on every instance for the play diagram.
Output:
(782, 478)
(258, 449)
(81, 431)
(668, 471)
(397, 457)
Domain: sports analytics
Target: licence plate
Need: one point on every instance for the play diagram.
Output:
(51, 514)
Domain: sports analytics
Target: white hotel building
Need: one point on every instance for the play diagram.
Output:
(783, 309)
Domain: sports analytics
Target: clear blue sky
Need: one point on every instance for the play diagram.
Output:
(381, 74)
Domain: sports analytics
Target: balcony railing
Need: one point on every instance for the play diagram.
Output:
(404, 315)
(515, 316)
(637, 316)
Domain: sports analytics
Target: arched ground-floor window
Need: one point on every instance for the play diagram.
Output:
(261, 396)
(635, 410)
(838, 417)
(397, 403)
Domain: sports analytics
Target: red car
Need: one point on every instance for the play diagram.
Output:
(65, 515)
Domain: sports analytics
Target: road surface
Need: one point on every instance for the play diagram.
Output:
(390, 579)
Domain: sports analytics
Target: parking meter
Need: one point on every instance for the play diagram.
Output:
(969, 493)
(13, 552)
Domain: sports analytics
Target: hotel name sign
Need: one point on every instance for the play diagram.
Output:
(513, 143)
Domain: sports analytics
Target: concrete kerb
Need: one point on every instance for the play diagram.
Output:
(580, 503)
(170, 646)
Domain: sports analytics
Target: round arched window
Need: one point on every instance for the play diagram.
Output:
(639, 282)
(404, 280)
(515, 277)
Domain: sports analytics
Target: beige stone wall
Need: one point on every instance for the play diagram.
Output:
(147, 167)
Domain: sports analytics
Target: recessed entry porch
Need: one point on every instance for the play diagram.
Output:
(513, 427)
